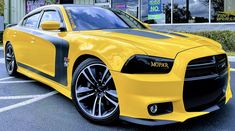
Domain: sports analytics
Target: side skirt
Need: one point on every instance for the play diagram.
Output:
(58, 87)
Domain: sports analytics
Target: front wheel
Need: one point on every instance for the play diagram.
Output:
(94, 93)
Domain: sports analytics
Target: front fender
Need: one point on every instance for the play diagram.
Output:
(114, 54)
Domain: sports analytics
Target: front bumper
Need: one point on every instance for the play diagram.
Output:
(137, 91)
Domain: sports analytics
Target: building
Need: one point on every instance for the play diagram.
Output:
(187, 15)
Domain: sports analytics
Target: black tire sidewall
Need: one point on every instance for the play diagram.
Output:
(81, 66)
(14, 72)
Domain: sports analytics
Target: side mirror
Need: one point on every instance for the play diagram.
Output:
(50, 25)
(147, 25)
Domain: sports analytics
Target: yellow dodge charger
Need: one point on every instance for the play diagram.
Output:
(113, 66)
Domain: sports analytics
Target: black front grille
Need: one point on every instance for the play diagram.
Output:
(205, 82)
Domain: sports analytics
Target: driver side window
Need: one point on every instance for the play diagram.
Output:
(32, 21)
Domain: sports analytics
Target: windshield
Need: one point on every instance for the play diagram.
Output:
(96, 18)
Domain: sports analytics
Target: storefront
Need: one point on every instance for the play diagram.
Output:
(156, 12)
(188, 15)
(177, 11)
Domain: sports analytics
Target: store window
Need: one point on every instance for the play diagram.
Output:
(103, 3)
(130, 6)
(156, 11)
(222, 11)
(191, 11)
(34, 4)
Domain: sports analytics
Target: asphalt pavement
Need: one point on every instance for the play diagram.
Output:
(27, 105)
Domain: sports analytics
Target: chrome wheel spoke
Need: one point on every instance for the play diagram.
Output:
(85, 97)
(112, 93)
(9, 66)
(8, 57)
(99, 107)
(105, 73)
(82, 90)
(112, 101)
(94, 105)
(89, 80)
(109, 78)
(92, 75)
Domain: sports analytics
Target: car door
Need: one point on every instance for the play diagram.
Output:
(42, 50)
(23, 38)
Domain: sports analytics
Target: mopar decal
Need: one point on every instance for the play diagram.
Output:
(62, 49)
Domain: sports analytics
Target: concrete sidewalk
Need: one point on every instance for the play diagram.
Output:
(231, 58)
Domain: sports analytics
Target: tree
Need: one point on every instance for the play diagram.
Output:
(216, 5)
(1, 7)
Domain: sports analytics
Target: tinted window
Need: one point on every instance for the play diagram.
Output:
(50, 16)
(93, 18)
(222, 11)
(128, 19)
(32, 21)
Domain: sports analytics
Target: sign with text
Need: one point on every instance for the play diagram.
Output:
(33, 4)
(154, 9)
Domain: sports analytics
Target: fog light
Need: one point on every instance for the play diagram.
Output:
(153, 108)
(160, 108)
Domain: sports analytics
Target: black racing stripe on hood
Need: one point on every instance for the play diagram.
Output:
(138, 33)
(173, 33)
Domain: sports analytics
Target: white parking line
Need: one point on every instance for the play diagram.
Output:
(27, 102)
(231, 58)
(13, 82)
(232, 69)
(6, 78)
(18, 97)
(1, 48)
(2, 61)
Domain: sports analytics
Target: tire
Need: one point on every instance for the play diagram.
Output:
(10, 61)
(95, 101)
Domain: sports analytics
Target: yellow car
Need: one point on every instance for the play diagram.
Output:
(113, 66)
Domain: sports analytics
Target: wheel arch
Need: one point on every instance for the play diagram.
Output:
(81, 58)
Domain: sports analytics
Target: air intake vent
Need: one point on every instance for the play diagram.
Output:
(205, 82)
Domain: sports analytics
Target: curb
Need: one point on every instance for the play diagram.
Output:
(231, 58)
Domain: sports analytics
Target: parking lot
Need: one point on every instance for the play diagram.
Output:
(27, 105)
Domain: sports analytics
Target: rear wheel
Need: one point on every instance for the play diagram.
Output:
(10, 60)
(94, 92)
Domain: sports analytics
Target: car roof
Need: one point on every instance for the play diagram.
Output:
(60, 5)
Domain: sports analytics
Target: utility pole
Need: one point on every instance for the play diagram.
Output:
(187, 10)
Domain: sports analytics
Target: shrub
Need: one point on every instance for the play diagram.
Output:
(225, 38)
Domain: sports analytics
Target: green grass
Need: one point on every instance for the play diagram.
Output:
(231, 53)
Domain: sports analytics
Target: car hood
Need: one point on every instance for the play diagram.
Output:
(163, 44)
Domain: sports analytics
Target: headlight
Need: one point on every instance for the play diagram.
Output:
(140, 64)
